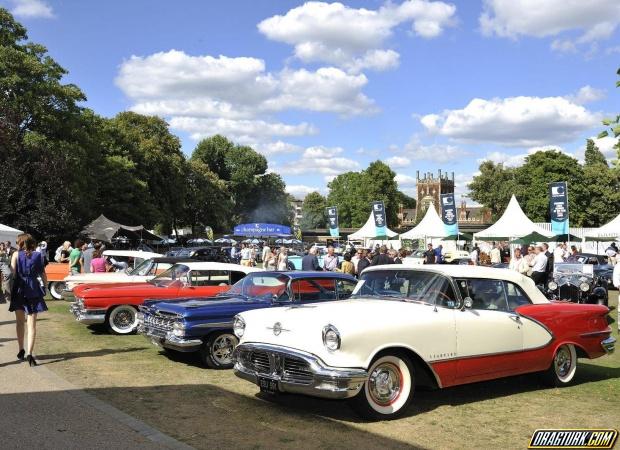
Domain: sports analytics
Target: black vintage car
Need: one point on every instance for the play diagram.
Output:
(601, 265)
(206, 253)
(577, 283)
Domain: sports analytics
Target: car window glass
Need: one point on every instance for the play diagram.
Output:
(236, 276)
(345, 288)
(515, 295)
(210, 278)
(487, 294)
(312, 290)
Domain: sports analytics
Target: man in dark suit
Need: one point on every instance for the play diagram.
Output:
(310, 261)
(550, 262)
(382, 257)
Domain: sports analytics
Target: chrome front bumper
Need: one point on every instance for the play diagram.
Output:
(297, 372)
(169, 340)
(609, 345)
(87, 316)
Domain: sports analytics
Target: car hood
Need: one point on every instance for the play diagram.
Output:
(125, 290)
(202, 306)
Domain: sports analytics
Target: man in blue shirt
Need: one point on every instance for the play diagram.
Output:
(439, 255)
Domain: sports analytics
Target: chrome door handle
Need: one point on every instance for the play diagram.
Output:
(515, 317)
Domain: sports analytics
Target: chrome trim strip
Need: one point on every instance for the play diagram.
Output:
(596, 333)
(214, 325)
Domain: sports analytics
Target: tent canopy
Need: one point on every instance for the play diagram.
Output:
(9, 234)
(531, 238)
(610, 230)
(104, 229)
(431, 225)
(369, 231)
(513, 224)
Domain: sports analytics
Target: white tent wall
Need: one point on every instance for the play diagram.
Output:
(584, 247)
(611, 229)
(368, 232)
(9, 234)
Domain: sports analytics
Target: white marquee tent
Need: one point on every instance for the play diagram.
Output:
(610, 230)
(369, 231)
(8, 234)
(512, 225)
(431, 225)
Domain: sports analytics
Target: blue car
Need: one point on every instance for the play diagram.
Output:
(204, 325)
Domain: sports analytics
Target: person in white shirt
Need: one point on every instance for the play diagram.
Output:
(539, 266)
(612, 253)
(266, 252)
(496, 254)
(515, 261)
(246, 254)
(558, 254)
(473, 256)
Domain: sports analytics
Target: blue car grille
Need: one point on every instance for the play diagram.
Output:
(159, 322)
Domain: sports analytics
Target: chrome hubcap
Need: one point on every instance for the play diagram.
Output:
(123, 319)
(384, 384)
(222, 348)
(563, 362)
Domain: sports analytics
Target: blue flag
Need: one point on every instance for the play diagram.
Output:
(378, 212)
(448, 214)
(558, 205)
(332, 221)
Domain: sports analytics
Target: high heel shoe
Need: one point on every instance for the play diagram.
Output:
(32, 361)
(21, 354)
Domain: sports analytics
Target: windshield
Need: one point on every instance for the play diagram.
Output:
(407, 285)
(143, 268)
(171, 275)
(257, 285)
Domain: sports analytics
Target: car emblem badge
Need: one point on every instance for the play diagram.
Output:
(277, 328)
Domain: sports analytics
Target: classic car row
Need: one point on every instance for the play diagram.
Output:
(371, 341)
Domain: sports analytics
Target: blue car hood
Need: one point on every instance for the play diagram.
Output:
(193, 306)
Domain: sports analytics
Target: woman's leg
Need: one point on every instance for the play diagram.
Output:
(20, 321)
(32, 331)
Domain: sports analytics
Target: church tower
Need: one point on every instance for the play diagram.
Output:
(429, 189)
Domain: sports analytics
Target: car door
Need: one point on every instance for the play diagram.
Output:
(204, 283)
(489, 333)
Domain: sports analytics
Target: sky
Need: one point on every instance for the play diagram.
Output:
(324, 88)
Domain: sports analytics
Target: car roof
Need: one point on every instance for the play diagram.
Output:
(211, 265)
(467, 271)
(173, 260)
(297, 274)
(131, 253)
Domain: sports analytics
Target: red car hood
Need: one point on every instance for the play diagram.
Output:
(93, 291)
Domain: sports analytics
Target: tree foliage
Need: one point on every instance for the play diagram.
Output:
(313, 211)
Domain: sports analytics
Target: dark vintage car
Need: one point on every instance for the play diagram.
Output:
(205, 325)
(577, 283)
(207, 253)
(601, 266)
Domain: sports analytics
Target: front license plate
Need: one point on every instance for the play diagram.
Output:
(268, 385)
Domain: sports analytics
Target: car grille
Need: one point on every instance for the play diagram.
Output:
(569, 292)
(160, 323)
(291, 369)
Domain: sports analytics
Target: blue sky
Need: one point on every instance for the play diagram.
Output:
(321, 88)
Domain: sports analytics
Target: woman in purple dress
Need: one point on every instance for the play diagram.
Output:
(28, 292)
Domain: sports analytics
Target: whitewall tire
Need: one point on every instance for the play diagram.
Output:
(388, 389)
(56, 288)
(563, 367)
(122, 319)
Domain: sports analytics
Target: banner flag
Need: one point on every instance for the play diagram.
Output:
(448, 214)
(558, 205)
(332, 219)
(378, 212)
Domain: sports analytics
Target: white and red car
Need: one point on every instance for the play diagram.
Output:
(436, 326)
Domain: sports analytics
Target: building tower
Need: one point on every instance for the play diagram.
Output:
(429, 189)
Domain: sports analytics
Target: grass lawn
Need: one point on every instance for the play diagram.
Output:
(208, 408)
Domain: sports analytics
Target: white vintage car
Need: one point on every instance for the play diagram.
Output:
(435, 326)
(140, 268)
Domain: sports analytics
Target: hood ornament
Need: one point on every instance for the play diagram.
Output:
(277, 329)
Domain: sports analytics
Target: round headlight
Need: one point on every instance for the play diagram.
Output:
(552, 285)
(178, 329)
(238, 326)
(331, 338)
(585, 287)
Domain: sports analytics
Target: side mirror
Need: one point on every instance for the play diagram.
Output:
(468, 303)
(186, 280)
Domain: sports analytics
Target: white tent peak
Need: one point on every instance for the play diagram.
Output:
(610, 229)
(369, 231)
(513, 224)
(431, 225)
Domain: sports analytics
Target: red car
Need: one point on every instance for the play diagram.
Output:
(116, 305)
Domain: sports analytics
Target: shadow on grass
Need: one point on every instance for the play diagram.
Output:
(51, 359)
(428, 400)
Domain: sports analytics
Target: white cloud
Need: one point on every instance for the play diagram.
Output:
(515, 121)
(607, 146)
(236, 96)
(353, 38)
(243, 131)
(321, 160)
(593, 19)
(300, 191)
(439, 153)
(518, 159)
(398, 161)
(586, 94)
(404, 180)
(32, 9)
(276, 148)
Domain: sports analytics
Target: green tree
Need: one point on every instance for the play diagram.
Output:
(154, 159)
(493, 187)
(272, 203)
(207, 202)
(612, 123)
(593, 156)
(313, 212)
(47, 146)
